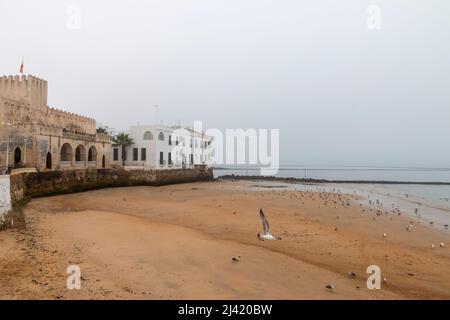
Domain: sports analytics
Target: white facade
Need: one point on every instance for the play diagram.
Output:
(164, 147)
(5, 196)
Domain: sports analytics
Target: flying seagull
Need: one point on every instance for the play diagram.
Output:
(265, 235)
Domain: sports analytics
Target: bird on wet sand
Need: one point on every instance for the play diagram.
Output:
(265, 235)
(330, 286)
(351, 274)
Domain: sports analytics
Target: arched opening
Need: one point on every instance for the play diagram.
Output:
(148, 135)
(48, 161)
(103, 162)
(92, 154)
(17, 156)
(161, 136)
(66, 152)
(80, 153)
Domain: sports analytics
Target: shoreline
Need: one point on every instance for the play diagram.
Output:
(313, 181)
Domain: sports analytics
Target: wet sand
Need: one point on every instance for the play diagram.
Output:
(178, 242)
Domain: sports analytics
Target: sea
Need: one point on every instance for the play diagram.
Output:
(421, 193)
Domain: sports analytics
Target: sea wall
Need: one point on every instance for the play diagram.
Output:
(38, 184)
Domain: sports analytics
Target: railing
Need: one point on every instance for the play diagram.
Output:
(92, 163)
(65, 163)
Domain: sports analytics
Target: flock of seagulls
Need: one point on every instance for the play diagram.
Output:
(266, 234)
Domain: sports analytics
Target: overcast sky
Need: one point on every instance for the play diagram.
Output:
(340, 93)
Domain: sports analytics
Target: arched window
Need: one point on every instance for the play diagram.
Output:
(161, 136)
(66, 152)
(92, 154)
(17, 156)
(48, 161)
(148, 135)
(80, 153)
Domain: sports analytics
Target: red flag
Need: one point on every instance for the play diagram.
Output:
(21, 67)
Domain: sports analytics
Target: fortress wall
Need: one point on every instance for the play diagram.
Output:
(38, 184)
(68, 120)
(22, 114)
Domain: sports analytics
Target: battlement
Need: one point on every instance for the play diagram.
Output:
(28, 89)
(71, 116)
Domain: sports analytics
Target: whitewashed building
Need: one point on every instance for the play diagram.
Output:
(164, 147)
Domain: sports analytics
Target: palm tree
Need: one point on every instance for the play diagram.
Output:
(122, 140)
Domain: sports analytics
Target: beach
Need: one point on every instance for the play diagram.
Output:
(179, 241)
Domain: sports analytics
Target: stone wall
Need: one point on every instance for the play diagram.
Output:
(38, 184)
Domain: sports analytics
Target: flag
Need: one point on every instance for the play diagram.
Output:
(21, 67)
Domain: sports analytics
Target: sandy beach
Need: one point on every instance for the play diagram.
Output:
(179, 241)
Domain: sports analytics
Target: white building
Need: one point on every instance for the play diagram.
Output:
(164, 147)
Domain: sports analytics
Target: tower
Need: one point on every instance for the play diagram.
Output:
(28, 89)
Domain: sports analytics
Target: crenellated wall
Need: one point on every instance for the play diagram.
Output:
(29, 89)
(34, 130)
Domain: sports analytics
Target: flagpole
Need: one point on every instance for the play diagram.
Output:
(21, 66)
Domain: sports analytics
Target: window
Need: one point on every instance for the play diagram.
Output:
(176, 141)
(148, 135)
(161, 158)
(116, 154)
(135, 154)
(196, 143)
(161, 136)
(170, 140)
(192, 158)
(143, 154)
(170, 157)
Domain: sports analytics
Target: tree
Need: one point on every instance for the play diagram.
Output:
(103, 130)
(122, 140)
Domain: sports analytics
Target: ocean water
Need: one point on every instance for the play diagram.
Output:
(349, 173)
(432, 201)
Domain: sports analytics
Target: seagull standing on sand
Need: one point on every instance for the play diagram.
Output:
(265, 235)
(330, 286)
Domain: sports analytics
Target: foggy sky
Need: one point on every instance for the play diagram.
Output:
(340, 94)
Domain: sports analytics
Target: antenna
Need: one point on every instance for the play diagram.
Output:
(157, 113)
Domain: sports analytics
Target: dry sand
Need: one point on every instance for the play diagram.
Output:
(177, 242)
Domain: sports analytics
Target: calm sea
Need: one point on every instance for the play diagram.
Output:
(433, 200)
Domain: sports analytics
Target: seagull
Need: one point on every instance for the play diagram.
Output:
(441, 244)
(384, 235)
(351, 274)
(265, 235)
(330, 286)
